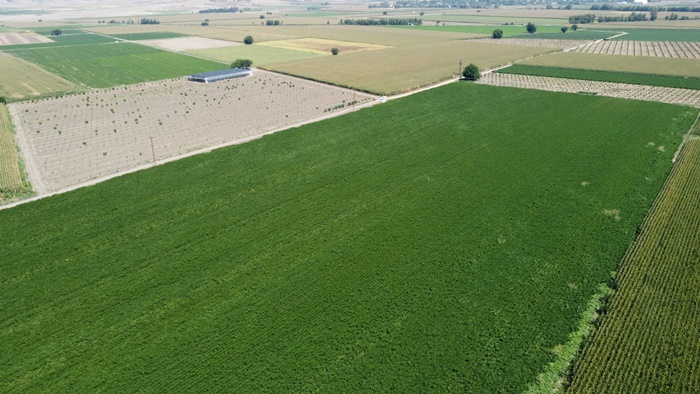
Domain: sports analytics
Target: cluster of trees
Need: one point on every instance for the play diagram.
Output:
(383, 4)
(463, 4)
(471, 72)
(383, 22)
(675, 16)
(56, 32)
(220, 10)
(530, 27)
(242, 63)
(642, 8)
(146, 21)
(248, 40)
(270, 22)
(582, 19)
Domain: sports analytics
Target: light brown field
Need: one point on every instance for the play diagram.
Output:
(683, 50)
(649, 65)
(187, 43)
(322, 46)
(77, 138)
(636, 92)
(22, 38)
(20, 79)
(10, 176)
(401, 69)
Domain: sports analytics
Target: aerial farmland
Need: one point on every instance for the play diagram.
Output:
(395, 197)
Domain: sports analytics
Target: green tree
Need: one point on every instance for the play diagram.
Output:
(248, 40)
(530, 27)
(498, 33)
(564, 29)
(471, 72)
(242, 63)
(3, 100)
(56, 32)
(334, 51)
(653, 15)
(574, 27)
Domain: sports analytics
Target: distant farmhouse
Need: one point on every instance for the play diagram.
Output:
(220, 75)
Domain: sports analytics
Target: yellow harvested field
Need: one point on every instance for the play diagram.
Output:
(187, 43)
(396, 70)
(322, 46)
(631, 64)
(10, 176)
(259, 54)
(22, 38)
(20, 79)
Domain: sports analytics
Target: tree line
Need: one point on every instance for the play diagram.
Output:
(383, 22)
(633, 17)
(146, 21)
(219, 10)
(640, 8)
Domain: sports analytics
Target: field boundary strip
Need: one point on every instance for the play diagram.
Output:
(13, 181)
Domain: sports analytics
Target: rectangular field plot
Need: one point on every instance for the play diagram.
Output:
(648, 341)
(650, 65)
(604, 76)
(387, 71)
(259, 54)
(106, 65)
(81, 137)
(448, 241)
(68, 38)
(21, 38)
(10, 175)
(20, 79)
(682, 50)
(612, 89)
(156, 35)
(322, 46)
(661, 35)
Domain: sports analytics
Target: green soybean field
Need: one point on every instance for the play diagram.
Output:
(445, 241)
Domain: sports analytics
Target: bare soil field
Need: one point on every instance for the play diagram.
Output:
(187, 43)
(636, 92)
(22, 38)
(76, 138)
(683, 50)
(20, 79)
(541, 43)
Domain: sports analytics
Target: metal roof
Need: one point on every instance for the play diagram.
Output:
(219, 73)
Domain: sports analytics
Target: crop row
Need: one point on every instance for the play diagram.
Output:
(85, 136)
(621, 90)
(649, 340)
(684, 50)
(10, 177)
(535, 42)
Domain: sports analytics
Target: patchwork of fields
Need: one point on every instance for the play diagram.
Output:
(683, 50)
(621, 90)
(649, 340)
(81, 137)
(377, 251)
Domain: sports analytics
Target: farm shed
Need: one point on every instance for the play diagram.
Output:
(220, 75)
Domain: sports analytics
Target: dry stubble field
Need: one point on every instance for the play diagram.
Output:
(22, 38)
(672, 49)
(636, 92)
(77, 138)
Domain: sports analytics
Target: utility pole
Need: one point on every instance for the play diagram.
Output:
(153, 149)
